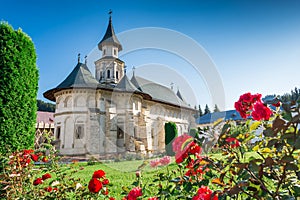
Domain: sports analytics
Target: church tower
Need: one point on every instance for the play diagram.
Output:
(109, 68)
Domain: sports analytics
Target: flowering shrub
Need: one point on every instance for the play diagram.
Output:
(259, 159)
(160, 162)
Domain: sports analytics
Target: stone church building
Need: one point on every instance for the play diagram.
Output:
(112, 113)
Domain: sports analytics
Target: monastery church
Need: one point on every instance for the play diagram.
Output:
(112, 113)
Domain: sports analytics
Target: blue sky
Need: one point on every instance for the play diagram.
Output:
(255, 45)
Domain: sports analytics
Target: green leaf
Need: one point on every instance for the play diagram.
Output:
(287, 159)
(296, 189)
(225, 128)
(287, 136)
(297, 143)
(272, 142)
(287, 116)
(291, 166)
(269, 133)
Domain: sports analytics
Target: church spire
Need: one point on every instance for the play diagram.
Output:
(110, 37)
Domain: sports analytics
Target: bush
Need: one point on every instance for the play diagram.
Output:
(18, 89)
(170, 135)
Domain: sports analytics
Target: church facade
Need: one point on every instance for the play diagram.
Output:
(109, 113)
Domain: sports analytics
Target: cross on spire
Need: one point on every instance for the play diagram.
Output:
(110, 14)
(78, 57)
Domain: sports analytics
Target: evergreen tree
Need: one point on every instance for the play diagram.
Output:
(293, 96)
(170, 135)
(206, 110)
(200, 111)
(216, 109)
(18, 89)
(47, 107)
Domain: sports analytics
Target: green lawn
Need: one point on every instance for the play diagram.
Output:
(124, 173)
(119, 173)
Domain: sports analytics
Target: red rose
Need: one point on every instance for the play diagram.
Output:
(38, 181)
(152, 198)
(105, 182)
(204, 193)
(154, 163)
(34, 157)
(134, 193)
(48, 189)
(194, 148)
(261, 112)
(165, 160)
(45, 159)
(247, 97)
(95, 185)
(180, 142)
(233, 142)
(99, 174)
(276, 104)
(112, 198)
(245, 103)
(46, 176)
(27, 151)
(239, 107)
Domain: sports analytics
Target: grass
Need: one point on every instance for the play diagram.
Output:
(119, 173)
(123, 174)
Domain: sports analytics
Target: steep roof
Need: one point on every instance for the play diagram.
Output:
(126, 85)
(80, 77)
(158, 92)
(225, 115)
(110, 37)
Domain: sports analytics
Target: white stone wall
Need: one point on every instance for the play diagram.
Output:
(102, 115)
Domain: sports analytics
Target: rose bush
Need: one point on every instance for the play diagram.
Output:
(259, 159)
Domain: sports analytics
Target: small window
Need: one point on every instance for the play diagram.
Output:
(115, 52)
(120, 133)
(136, 105)
(117, 74)
(58, 132)
(108, 73)
(79, 132)
(104, 52)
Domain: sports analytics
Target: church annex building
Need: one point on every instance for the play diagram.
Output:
(112, 113)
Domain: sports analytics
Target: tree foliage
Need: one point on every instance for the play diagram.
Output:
(293, 96)
(216, 108)
(43, 106)
(206, 110)
(18, 89)
(170, 135)
(200, 111)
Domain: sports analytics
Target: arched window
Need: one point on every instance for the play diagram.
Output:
(108, 73)
(115, 52)
(79, 131)
(117, 74)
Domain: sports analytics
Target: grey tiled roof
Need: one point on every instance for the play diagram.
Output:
(225, 115)
(126, 85)
(158, 92)
(80, 77)
(110, 37)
